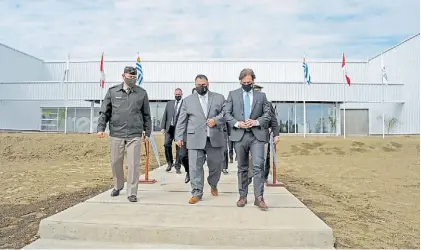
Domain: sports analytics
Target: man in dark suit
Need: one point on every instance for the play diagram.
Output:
(248, 113)
(273, 131)
(225, 149)
(168, 123)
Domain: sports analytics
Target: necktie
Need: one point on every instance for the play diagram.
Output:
(175, 113)
(246, 107)
(204, 104)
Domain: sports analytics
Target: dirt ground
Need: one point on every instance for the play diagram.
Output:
(365, 188)
(42, 174)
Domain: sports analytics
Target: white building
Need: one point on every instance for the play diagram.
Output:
(33, 97)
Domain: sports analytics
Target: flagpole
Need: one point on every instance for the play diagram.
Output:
(304, 104)
(67, 90)
(383, 98)
(344, 94)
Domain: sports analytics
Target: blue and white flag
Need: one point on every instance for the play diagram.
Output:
(306, 73)
(139, 70)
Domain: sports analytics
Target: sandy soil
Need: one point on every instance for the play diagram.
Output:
(365, 188)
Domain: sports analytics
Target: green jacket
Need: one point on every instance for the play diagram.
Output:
(128, 114)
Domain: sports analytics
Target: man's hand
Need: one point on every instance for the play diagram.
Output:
(251, 123)
(211, 123)
(100, 134)
(276, 139)
(242, 125)
(163, 131)
(179, 143)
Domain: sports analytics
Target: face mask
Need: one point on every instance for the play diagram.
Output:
(247, 88)
(202, 90)
(130, 82)
(177, 98)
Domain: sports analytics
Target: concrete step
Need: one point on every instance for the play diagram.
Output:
(74, 244)
(162, 218)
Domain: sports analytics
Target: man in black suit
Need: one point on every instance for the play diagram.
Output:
(169, 120)
(274, 131)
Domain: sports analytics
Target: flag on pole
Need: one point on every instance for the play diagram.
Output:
(348, 80)
(306, 73)
(384, 74)
(139, 70)
(101, 69)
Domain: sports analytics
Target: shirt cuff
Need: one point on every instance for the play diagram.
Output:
(236, 125)
(257, 123)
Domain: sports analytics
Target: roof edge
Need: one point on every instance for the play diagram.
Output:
(16, 50)
(394, 46)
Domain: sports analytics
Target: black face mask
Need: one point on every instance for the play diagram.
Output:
(202, 90)
(247, 88)
(177, 98)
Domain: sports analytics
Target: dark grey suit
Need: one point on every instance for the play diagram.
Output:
(169, 120)
(249, 140)
(202, 140)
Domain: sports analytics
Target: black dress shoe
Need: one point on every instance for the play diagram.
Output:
(116, 192)
(187, 179)
(225, 171)
(132, 198)
(168, 168)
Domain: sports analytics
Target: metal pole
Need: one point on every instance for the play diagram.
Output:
(344, 106)
(91, 127)
(304, 106)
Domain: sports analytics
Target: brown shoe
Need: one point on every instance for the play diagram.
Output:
(214, 191)
(242, 202)
(260, 202)
(194, 200)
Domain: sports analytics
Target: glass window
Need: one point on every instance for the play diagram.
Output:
(157, 110)
(329, 118)
(285, 116)
(299, 111)
(313, 117)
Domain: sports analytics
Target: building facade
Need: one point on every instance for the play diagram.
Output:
(34, 97)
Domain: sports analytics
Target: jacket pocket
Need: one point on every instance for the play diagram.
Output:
(190, 131)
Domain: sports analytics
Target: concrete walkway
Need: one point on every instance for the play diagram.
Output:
(162, 218)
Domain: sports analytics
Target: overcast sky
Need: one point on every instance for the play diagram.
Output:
(176, 29)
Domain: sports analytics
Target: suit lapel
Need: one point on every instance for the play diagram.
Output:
(255, 95)
(171, 107)
(196, 98)
(210, 99)
(241, 97)
(178, 113)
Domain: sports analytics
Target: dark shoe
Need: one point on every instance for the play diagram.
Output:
(214, 191)
(242, 202)
(169, 167)
(116, 192)
(187, 179)
(231, 161)
(260, 202)
(224, 171)
(178, 171)
(194, 200)
(132, 198)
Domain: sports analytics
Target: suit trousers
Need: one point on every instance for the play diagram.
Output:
(225, 157)
(250, 145)
(168, 140)
(183, 158)
(117, 148)
(197, 158)
(231, 149)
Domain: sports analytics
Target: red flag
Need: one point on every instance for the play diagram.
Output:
(101, 69)
(348, 80)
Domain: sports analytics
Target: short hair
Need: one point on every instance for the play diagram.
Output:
(200, 76)
(178, 89)
(247, 72)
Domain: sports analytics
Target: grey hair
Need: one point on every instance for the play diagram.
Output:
(179, 89)
(247, 72)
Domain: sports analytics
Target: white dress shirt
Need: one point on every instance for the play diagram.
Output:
(204, 102)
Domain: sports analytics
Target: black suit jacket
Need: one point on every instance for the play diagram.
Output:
(168, 114)
(274, 122)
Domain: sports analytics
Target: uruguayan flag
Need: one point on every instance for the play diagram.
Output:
(306, 74)
(139, 70)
